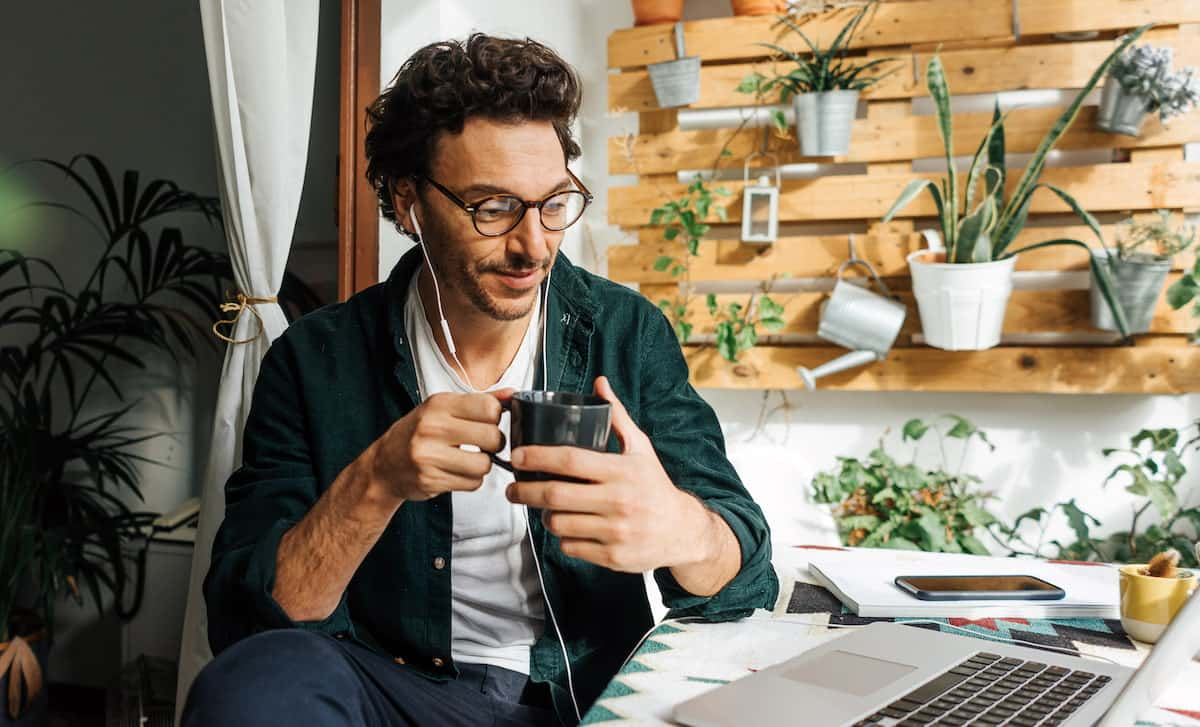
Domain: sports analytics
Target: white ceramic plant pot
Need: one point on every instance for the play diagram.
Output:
(824, 121)
(962, 306)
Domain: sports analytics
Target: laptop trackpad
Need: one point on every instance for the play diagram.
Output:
(849, 673)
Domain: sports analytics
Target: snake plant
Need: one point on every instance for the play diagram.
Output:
(985, 226)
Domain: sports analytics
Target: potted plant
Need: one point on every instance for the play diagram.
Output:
(881, 502)
(685, 216)
(824, 87)
(1162, 517)
(653, 12)
(758, 7)
(68, 460)
(962, 286)
(1141, 82)
(1185, 290)
(1139, 268)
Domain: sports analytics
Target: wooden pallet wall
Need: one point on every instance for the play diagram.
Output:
(984, 52)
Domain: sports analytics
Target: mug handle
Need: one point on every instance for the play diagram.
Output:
(503, 464)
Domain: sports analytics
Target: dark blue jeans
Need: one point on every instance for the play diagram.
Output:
(294, 677)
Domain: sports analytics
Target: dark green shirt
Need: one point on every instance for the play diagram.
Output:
(338, 378)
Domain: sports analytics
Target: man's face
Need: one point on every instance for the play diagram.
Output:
(499, 276)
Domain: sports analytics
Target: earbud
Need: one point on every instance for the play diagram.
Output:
(416, 226)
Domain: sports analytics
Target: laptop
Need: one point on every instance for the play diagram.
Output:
(892, 674)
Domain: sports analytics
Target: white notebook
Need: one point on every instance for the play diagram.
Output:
(862, 578)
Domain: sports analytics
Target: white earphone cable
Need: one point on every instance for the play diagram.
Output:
(437, 294)
(562, 644)
(545, 314)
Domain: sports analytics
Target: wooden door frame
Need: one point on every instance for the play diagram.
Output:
(358, 211)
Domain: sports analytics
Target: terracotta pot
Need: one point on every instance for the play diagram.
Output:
(653, 12)
(758, 7)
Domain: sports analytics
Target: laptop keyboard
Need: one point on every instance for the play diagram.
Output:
(988, 689)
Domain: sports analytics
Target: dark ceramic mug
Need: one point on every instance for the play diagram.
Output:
(556, 418)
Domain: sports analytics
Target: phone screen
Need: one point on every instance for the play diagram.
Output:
(968, 584)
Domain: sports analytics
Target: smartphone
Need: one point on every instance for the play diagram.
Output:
(980, 588)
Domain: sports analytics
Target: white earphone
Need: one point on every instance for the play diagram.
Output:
(420, 239)
(412, 216)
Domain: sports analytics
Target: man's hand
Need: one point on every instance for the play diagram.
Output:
(416, 459)
(628, 516)
(419, 457)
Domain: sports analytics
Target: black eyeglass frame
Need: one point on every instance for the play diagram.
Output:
(472, 207)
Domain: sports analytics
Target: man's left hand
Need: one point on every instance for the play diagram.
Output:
(628, 515)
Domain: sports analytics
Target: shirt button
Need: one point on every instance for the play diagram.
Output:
(399, 660)
(437, 662)
(439, 563)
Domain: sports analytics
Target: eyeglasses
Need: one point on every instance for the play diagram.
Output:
(497, 214)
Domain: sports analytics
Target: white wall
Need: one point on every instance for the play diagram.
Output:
(1047, 447)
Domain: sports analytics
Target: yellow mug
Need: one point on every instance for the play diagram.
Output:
(1148, 603)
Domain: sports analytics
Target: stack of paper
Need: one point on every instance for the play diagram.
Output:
(863, 579)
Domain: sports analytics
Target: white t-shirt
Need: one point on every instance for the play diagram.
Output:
(496, 600)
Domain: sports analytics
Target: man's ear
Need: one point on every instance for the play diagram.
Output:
(404, 196)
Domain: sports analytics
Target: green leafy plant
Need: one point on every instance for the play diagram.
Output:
(1153, 470)
(983, 227)
(65, 457)
(685, 217)
(1155, 238)
(882, 503)
(737, 324)
(1185, 290)
(823, 69)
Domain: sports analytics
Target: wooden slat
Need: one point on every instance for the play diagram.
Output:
(1041, 17)
(815, 257)
(1172, 367)
(1167, 154)
(977, 70)
(919, 21)
(1029, 311)
(885, 139)
(888, 113)
(1105, 187)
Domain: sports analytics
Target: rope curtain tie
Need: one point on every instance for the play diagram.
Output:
(239, 305)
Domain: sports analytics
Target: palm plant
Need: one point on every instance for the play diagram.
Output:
(66, 459)
(984, 226)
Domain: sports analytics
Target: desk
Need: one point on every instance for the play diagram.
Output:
(681, 660)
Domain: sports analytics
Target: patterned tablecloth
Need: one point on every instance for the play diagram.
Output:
(680, 660)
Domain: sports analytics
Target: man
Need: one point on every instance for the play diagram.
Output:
(397, 576)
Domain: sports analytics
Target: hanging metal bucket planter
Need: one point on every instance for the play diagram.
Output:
(677, 82)
(1121, 111)
(1139, 282)
(824, 121)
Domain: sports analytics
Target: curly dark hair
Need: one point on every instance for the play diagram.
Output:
(442, 85)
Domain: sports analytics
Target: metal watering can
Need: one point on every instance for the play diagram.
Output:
(858, 319)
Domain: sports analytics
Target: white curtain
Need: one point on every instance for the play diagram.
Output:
(261, 63)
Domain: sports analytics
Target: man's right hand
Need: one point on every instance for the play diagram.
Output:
(419, 457)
